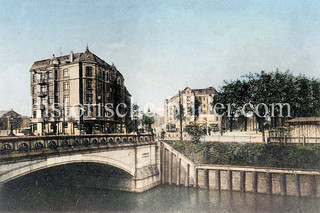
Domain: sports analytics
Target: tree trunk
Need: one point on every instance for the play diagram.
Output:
(231, 124)
(181, 138)
(245, 124)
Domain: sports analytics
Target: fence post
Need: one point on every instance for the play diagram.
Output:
(269, 183)
(285, 140)
(283, 184)
(178, 170)
(242, 181)
(229, 179)
(196, 184)
(297, 183)
(254, 182)
(217, 180)
(206, 178)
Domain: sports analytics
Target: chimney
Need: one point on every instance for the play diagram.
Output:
(71, 56)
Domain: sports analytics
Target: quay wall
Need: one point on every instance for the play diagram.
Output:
(179, 170)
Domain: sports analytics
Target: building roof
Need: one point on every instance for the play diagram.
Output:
(304, 120)
(9, 113)
(207, 91)
(87, 56)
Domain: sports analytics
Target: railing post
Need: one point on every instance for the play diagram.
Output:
(285, 140)
(283, 184)
(178, 171)
(313, 186)
(254, 182)
(297, 183)
(196, 184)
(170, 167)
(229, 179)
(186, 182)
(242, 181)
(162, 164)
(217, 180)
(206, 178)
(269, 183)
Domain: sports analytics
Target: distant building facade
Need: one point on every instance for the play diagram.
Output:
(69, 95)
(207, 120)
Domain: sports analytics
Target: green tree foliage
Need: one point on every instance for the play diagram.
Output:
(180, 115)
(301, 92)
(135, 116)
(195, 132)
(148, 120)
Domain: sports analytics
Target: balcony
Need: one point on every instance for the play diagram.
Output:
(42, 81)
(42, 94)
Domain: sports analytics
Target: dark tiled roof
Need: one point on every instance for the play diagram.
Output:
(77, 57)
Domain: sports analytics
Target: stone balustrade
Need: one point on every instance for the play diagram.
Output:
(11, 147)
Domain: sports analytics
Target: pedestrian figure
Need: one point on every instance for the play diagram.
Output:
(162, 134)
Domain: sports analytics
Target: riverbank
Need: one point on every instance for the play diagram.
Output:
(247, 154)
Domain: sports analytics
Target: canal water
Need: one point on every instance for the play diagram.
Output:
(53, 198)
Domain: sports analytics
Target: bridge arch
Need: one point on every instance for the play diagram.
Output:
(62, 160)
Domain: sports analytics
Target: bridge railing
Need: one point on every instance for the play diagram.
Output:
(22, 146)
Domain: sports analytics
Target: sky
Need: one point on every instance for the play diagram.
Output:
(160, 47)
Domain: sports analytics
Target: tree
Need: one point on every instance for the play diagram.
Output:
(179, 115)
(301, 92)
(195, 132)
(148, 120)
(135, 116)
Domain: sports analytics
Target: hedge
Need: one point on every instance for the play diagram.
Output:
(249, 154)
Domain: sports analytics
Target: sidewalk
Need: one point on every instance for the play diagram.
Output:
(235, 136)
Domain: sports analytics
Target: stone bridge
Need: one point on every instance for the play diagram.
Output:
(137, 155)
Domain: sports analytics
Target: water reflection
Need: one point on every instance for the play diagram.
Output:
(49, 198)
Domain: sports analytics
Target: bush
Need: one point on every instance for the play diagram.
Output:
(261, 155)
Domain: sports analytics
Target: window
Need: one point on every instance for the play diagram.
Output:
(108, 76)
(89, 98)
(89, 84)
(65, 73)
(89, 71)
(34, 114)
(50, 100)
(43, 88)
(100, 74)
(34, 78)
(66, 99)
(34, 90)
(103, 75)
(34, 101)
(65, 86)
(50, 87)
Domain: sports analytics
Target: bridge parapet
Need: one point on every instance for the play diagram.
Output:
(12, 147)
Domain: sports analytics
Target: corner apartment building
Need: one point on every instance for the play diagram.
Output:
(67, 91)
(207, 120)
